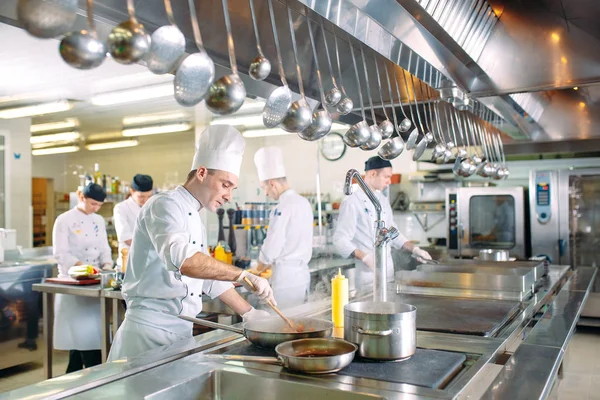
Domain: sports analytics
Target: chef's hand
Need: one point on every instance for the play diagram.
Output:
(421, 255)
(261, 287)
(107, 267)
(255, 314)
(369, 259)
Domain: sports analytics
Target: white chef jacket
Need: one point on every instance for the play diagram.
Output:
(288, 247)
(356, 230)
(124, 215)
(167, 232)
(78, 237)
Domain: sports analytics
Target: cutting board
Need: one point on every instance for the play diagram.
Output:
(69, 281)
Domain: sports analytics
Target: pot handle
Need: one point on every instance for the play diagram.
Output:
(372, 333)
(213, 325)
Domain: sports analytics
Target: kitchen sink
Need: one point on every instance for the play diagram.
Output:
(225, 385)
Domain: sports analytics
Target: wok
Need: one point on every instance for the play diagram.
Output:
(271, 331)
(309, 356)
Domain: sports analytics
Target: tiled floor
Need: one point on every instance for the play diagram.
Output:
(581, 368)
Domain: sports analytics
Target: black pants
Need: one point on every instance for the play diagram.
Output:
(79, 359)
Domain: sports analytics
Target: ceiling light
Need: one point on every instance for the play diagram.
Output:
(555, 37)
(37, 109)
(149, 118)
(242, 120)
(266, 132)
(111, 145)
(132, 95)
(55, 137)
(55, 150)
(54, 126)
(157, 129)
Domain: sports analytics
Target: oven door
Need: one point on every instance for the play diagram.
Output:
(491, 218)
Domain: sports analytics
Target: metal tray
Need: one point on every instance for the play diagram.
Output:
(470, 277)
(538, 266)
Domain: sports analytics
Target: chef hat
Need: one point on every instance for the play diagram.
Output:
(95, 192)
(142, 183)
(269, 163)
(220, 147)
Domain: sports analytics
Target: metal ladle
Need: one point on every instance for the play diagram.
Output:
(346, 104)
(334, 95)
(359, 133)
(280, 99)
(427, 135)
(321, 119)
(467, 166)
(299, 115)
(406, 123)
(449, 144)
(129, 42)
(196, 72)
(461, 153)
(260, 67)
(167, 46)
(386, 127)
(395, 146)
(83, 49)
(375, 138)
(227, 94)
(414, 134)
(46, 19)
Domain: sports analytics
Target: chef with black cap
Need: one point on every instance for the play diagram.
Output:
(125, 213)
(169, 268)
(79, 238)
(355, 232)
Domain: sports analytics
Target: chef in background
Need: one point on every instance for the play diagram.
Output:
(287, 248)
(125, 213)
(79, 238)
(355, 232)
(169, 268)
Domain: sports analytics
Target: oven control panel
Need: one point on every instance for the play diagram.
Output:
(452, 222)
(543, 197)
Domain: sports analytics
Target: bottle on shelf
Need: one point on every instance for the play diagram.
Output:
(97, 175)
(116, 185)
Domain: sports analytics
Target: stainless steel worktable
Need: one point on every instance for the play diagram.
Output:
(520, 361)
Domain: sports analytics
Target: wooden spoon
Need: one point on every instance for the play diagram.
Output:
(274, 307)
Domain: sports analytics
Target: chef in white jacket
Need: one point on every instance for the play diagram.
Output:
(168, 267)
(125, 213)
(354, 235)
(287, 248)
(79, 238)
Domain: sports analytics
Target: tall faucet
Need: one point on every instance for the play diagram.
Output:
(382, 236)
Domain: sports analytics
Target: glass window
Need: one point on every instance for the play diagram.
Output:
(492, 222)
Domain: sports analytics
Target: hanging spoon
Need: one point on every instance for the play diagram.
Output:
(128, 42)
(386, 127)
(299, 115)
(167, 46)
(83, 49)
(260, 67)
(196, 72)
(321, 120)
(359, 133)
(395, 146)
(345, 105)
(376, 135)
(280, 99)
(227, 94)
(334, 95)
(414, 134)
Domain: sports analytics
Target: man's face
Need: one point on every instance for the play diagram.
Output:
(380, 178)
(91, 206)
(216, 188)
(140, 197)
(269, 190)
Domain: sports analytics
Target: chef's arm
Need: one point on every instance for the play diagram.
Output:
(202, 266)
(232, 298)
(122, 227)
(275, 241)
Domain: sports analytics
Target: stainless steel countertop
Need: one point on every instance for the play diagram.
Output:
(529, 373)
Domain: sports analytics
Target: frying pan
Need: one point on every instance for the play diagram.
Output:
(271, 331)
(309, 356)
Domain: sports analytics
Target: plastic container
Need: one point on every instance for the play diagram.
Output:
(220, 253)
(339, 298)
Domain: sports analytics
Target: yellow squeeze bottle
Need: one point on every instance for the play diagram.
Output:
(220, 253)
(339, 298)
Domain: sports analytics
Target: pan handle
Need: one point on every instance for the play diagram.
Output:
(213, 325)
(372, 333)
(231, 357)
